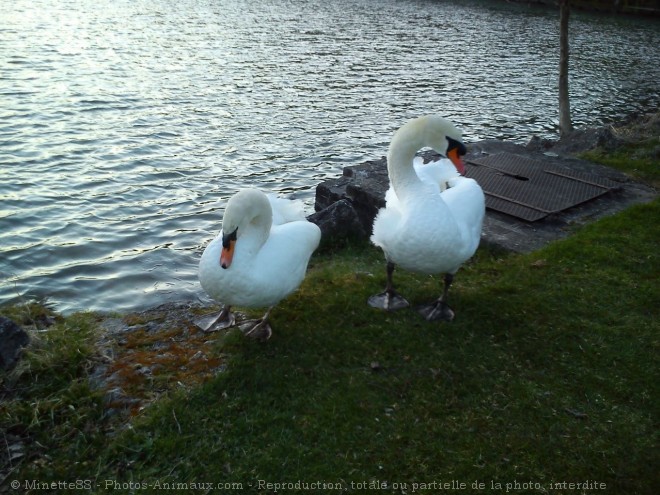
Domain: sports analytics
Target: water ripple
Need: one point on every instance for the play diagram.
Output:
(126, 125)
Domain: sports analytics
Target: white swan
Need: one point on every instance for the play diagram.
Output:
(433, 216)
(259, 257)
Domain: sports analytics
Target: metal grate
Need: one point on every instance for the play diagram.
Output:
(530, 189)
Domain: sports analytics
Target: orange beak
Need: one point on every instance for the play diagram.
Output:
(456, 160)
(227, 254)
(228, 245)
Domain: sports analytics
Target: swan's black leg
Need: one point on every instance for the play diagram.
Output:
(390, 299)
(216, 321)
(439, 310)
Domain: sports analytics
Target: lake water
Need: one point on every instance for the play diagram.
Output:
(125, 125)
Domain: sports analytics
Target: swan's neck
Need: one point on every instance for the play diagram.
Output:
(250, 214)
(256, 231)
(405, 144)
(402, 177)
(418, 133)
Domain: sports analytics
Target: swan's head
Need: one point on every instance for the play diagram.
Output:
(245, 209)
(443, 136)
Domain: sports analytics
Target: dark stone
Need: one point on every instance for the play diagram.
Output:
(538, 144)
(338, 221)
(586, 140)
(12, 339)
(355, 198)
(577, 141)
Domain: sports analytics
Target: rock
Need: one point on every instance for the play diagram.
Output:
(538, 144)
(117, 401)
(367, 189)
(346, 206)
(12, 339)
(587, 139)
(577, 141)
(338, 221)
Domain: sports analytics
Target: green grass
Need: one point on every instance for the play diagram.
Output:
(47, 399)
(549, 374)
(647, 167)
(639, 153)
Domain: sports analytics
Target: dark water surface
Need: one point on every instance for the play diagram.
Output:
(125, 125)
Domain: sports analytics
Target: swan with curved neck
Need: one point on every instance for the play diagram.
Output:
(432, 219)
(258, 259)
(429, 131)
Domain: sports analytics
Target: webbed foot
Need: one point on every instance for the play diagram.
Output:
(390, 300)
(256, 329)
(437, 311)
(216, 321)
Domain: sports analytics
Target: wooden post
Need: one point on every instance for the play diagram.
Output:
(565, 125)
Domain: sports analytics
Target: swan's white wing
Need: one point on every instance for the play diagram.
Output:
(467, 204)
(387, 222)
(437, 173)
(434, 232)
(282, 262)
(286, 210)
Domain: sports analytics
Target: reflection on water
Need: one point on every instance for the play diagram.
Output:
(125, 125)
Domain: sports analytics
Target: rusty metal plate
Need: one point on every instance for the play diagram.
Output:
(531, 189)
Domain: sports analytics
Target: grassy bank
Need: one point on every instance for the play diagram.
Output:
(638, 152)
(548, 376)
